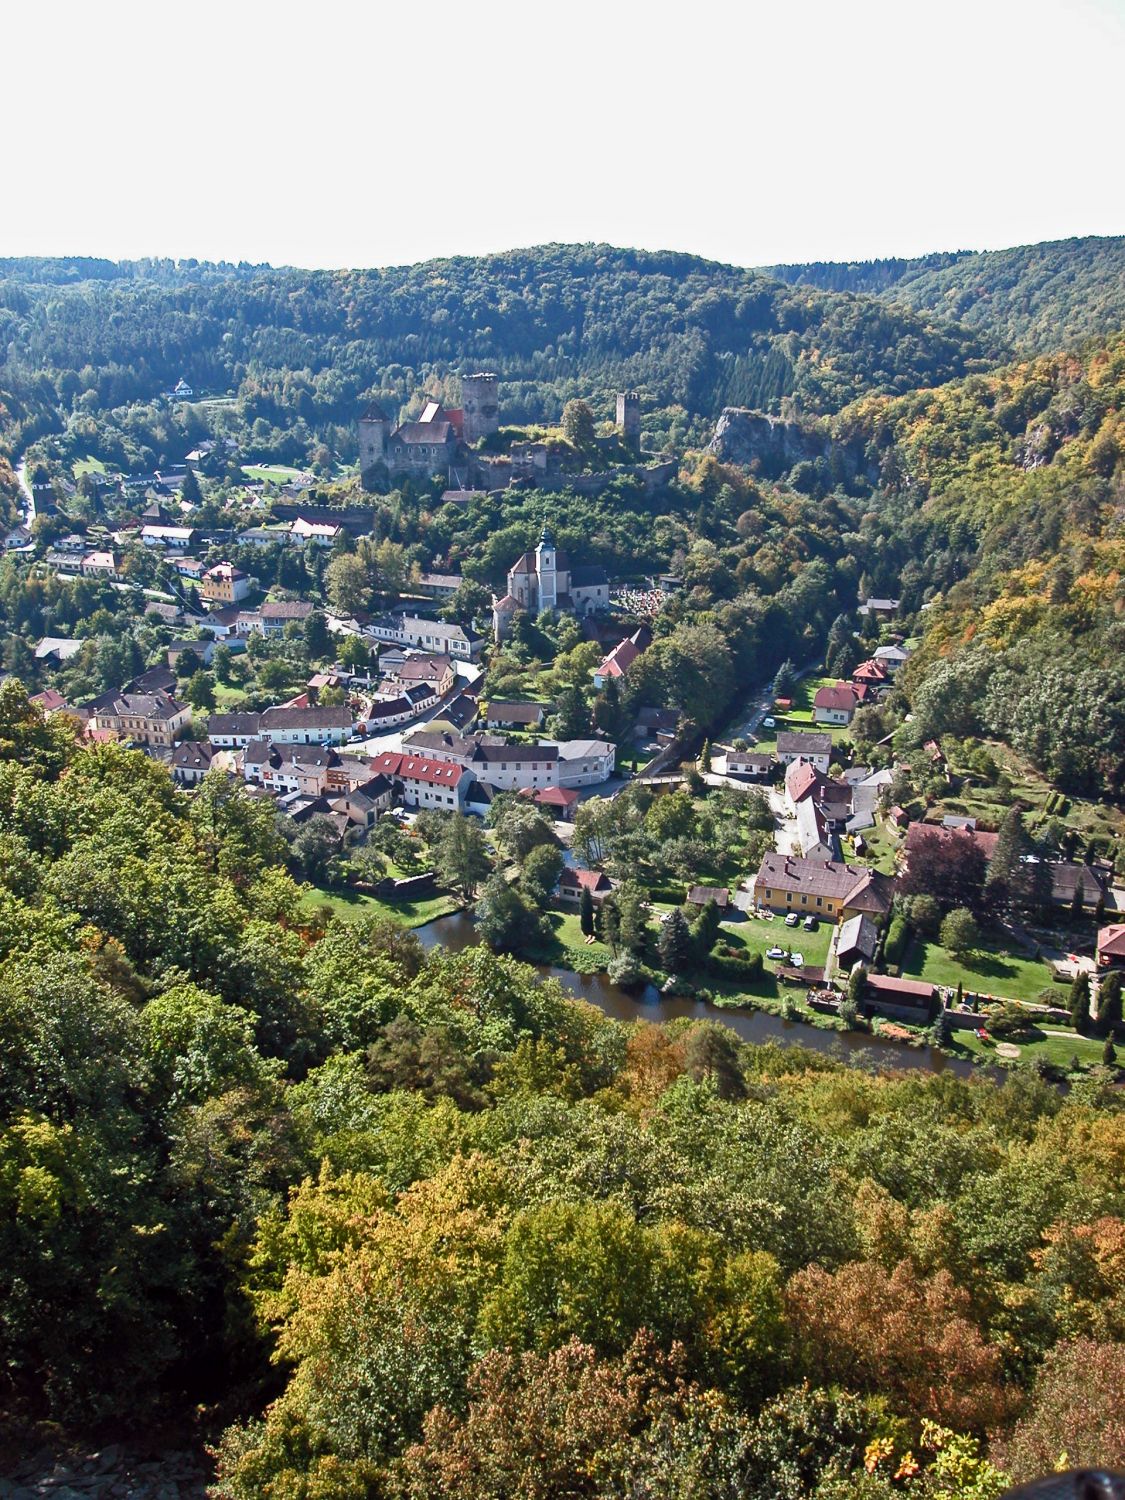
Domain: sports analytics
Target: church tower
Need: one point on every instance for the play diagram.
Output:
(546, 571)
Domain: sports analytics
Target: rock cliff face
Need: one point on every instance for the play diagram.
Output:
(772, 446)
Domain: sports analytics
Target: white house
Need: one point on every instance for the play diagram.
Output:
(429, 635)
(815, 748)
(585, 762)
(424, 782)
(315, 725)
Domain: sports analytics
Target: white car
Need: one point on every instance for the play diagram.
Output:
(797, 960)
(769, 722)
(792, 919)
(775, 952)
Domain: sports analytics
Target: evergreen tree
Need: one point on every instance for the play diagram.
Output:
(609, 923)
(856, 982)
(190, 489)
(674, 944)
(706, 929)
(318, 637)
(1109, 1052)
(1080, 1002)
(705, 756)
(586, 913)
(1109, 1002)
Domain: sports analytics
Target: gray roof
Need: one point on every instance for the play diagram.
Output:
(314, 717)
(858, 934)
(245, 723)
(794, 742)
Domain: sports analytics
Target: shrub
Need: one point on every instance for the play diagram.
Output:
(625, 971)
(726, 967)
(895, 944)
(674, 895)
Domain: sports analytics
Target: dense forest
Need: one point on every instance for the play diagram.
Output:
(304, 348)
(1033, 298)
(1000, 500)
(417, 1225)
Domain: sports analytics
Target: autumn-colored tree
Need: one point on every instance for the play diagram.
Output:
(899, 1333)
(1077, 1413)
(652, 1063)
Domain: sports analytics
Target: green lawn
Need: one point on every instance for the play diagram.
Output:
(755, 935)
(272, 473)
(880, 848)
(347, 903)
(88, 465)
(989, 804)
(1053, 1049)
(800, 716)
(228, 697)
(567, 946)
(991, 970)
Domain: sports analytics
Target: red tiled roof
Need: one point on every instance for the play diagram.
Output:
(1111, 940)
(840, 697)
(417, 768)
(801, 778)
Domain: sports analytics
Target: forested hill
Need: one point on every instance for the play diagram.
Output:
(556, 321)
(1035, 298)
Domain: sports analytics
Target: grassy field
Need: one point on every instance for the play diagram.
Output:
(1053, 1049)
(800, 716)
(229, 697)
(346, 903)
(270, 473)
(989, 971)
(88, 465)
(755, 935)
(880, 848)
(567, 946)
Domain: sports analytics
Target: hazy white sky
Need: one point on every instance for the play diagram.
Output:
(335, 134)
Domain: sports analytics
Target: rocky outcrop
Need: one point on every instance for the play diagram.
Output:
(114, 1473)
(772, 446)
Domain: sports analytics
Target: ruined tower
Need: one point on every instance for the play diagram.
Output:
(374, 430)
(480, 405)
(629, 417)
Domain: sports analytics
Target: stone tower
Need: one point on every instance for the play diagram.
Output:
(546, 571)
(374, 430)
(629, 417)
(480, 406)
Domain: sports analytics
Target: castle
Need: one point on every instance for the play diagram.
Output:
(544, 580)
(441, 443)
(438, 442)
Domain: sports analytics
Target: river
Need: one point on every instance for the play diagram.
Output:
(457, 932)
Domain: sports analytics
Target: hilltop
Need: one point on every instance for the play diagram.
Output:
(1032, 298)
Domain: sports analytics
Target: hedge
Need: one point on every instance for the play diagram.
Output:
(735, 968)
(675, 895)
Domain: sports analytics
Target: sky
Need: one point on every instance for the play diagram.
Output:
(343, 134)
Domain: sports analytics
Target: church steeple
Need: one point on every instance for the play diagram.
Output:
(545, 569)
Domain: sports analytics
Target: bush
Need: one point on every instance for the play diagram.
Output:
(1010, 1022)
(673, 895)
(625, 971)
(895, 945)
(726, 967)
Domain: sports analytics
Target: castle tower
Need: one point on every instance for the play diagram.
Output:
(480, 404)
(374, 430)
(546, 571)
(629, 417)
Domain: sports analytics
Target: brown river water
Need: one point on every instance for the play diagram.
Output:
(457, 932)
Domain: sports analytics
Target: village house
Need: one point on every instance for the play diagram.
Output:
(907, 999)
(1111, 946)
(224, 584)
(756, 764)
(57, 648)
(827, 888)
(618, 661)
(385, 713)
(499, 766)
(699, 895)
(884, 607)
(438, 636)
(573, 882)
(892, 657)
(659, 724)
(363, 805)
(856, 942)
(438, 585)
(559, 801)
(272, 617)
(583, 762)
(99, 565)
(423, 782)
(414, 669)
(232, 731)
(304, 533)
(191, 760)
(834, 705)
(150, 719)
(798, 745)
(175, 537)
(872, 675)
(499, 715)
(313, 724)
(202, 651)
(50, 701)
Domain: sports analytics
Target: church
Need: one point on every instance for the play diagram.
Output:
(544, 580)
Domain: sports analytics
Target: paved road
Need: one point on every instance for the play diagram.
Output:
(757, 705)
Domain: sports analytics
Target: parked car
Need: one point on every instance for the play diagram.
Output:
(769, 722)
(775, 952)
(792, 918)
(810, 923)
(797, 960)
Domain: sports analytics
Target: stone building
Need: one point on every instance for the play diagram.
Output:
(629, 417)
(438, 442)
(544, 580)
